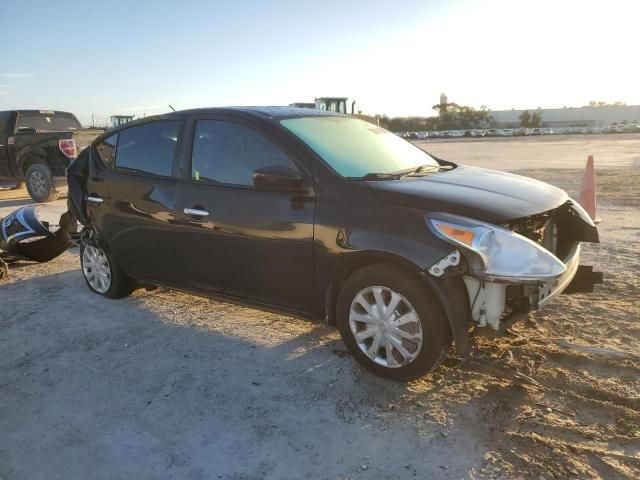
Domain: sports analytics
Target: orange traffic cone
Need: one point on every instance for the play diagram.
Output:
(588, 190)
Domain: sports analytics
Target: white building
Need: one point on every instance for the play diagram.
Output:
(572, 117)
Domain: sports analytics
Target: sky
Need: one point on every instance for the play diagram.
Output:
(391, 57)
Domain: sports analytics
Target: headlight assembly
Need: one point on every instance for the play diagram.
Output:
(496, 253)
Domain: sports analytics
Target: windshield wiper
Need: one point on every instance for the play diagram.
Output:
(422, 169)
(378, 176)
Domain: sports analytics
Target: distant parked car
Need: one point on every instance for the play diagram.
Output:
(505, 132)
(476, 132)
(492, 132)
(546, 131)
(422, 135)
(456, 133)
(445, 134)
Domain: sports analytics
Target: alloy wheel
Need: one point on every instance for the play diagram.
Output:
(385, 326)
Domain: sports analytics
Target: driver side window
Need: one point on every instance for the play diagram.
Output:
(229, 153)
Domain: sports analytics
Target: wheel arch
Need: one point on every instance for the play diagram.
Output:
(449, 289)
(30, 155)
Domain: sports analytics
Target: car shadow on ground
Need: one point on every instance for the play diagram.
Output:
(164, 382)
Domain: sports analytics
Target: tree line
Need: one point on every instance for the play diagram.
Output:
(452, 116)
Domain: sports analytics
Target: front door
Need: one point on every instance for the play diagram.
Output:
(234, 238)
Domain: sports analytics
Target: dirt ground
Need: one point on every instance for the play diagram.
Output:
(169, 385)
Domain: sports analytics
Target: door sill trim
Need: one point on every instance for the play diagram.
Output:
(242, 301)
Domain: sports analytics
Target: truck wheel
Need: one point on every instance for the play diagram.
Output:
(40, 184)
(103, 275)
(392, 323)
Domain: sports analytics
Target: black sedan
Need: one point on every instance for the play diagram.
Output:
(324, 216)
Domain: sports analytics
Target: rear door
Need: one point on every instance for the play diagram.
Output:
(131, 197)
(252, 243)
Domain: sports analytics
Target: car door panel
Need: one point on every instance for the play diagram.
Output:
(253, 244)
(135, 220)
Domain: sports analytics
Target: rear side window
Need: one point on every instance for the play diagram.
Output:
(106, 150)
(148, 148)
(229, 153)
(48, 122)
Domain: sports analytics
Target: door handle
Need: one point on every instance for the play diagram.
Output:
(94, 199)
(196, 212)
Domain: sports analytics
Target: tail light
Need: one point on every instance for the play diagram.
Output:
(68, 147)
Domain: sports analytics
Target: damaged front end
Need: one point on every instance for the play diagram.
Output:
(519, 266)
(30, 234)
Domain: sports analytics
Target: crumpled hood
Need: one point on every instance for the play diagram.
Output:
(486, 195)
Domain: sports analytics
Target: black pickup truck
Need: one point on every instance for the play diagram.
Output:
(36, 146)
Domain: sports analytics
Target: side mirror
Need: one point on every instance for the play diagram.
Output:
(277, 177)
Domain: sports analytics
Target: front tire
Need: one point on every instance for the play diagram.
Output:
(392, 323)
(40, 183)
(103, 274)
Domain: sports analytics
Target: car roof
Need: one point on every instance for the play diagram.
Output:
(261, 112)
(264, 111)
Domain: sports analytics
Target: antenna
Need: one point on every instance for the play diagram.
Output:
(172, 108)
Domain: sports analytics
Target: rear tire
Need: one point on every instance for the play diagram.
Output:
(412, 338)
(103, 274)
(40, 183)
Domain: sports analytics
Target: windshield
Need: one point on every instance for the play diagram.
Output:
(355, 148)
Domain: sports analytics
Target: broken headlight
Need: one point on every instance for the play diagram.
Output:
(495, 253)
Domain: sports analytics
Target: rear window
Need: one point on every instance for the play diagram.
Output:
(48, 122)
(148, 148)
